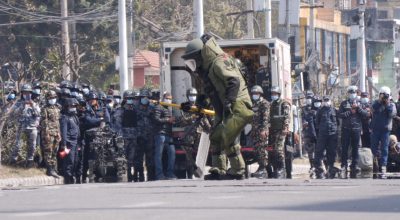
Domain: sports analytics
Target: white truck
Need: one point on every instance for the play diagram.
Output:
(267, 61)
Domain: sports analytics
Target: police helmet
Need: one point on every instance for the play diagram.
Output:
(36, 85)
(65, 91)
(26, 88)
(257, 89)
(352, 89)
(275, 89)
(136, 93)
(102, 96)
(72, 102)
(51, 94)
(191, 92)
(384, 90)
(65, 84)
(128, 94)
(76, 87)
(193, 49)
(92, 95)
(144, 93)
(109, 98)
(309, 94)
(317, 99)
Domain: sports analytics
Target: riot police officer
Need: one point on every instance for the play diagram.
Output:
(309, 131)
(225, 86)
(145, 145)
(280, 121)
(327, 126)
(352, 114)
(70, 136)
(125, 123)
(366, 134)
(260, 129)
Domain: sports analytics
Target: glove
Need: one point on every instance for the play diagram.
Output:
(186, 106)
(227, 107)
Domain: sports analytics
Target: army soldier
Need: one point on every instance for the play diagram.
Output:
(260, 128)
(50, 131)
(280, 121)
(224, 84)
(28, 114)
(95, 116)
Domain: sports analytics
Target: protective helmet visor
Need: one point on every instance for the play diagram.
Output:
(191, 64)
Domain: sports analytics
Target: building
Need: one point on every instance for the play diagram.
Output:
(146, 68)
(324, 54)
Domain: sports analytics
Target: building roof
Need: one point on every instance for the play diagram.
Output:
(146, 58)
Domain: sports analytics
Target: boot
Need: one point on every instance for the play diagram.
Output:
(141, 175)
(319, 173)
(29, 164)
(332, 171)
(78, 180)
(261, 171)
(237, 165)
(312, 173)
(135, 176)
(51, 172)
(218, 167)
(343, 172)
(375, 168)
(280, 172)
(354, 172)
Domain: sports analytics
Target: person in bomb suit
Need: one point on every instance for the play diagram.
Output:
(225, 86)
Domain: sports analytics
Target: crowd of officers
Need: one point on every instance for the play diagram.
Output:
(58, 120)
(368, 124)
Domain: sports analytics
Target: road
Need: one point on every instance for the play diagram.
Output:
(197, 199)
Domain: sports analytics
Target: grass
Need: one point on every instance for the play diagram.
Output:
(19, 172)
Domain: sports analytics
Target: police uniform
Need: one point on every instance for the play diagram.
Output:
(70, 136)
(309, 132)
(327, 125)
(145, 145)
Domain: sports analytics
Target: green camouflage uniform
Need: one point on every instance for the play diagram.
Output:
(50, 132)
(280, 121)
(223, 82)
(260, 123)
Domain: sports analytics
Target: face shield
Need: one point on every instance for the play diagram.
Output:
(191, 64)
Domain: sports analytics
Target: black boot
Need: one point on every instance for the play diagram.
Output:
(375, 168)
(51, 172)
(78, 180)
(319, 173)
(135, 177)
(354, 172)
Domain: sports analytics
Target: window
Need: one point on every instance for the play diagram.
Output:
(382, 14)
(396, 13)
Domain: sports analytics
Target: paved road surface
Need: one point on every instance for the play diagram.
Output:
(196, 199)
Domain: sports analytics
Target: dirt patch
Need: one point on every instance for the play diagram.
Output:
(17, 172)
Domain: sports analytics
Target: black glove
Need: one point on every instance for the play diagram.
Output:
(186, 106)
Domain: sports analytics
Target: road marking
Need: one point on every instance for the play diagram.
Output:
(144, 205)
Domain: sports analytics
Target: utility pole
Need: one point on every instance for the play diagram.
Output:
(287, 20)
(268, 32)
(361, 43)
(250, 22)
(65, 39)
(198, 15)
(123, 68)
(131, 46)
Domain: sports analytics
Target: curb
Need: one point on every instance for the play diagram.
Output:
(30, 181)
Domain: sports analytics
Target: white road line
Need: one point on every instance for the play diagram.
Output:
(144, 205)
